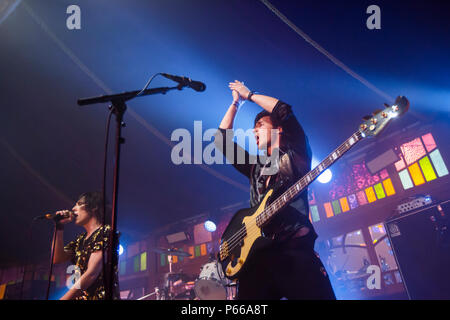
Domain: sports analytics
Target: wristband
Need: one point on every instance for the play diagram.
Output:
(249, 97)
(59, 226)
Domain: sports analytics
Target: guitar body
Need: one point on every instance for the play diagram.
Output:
(242, 238)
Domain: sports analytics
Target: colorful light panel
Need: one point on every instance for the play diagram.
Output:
(400, 164)
(413, 150)
(427, 169)
(136, 263)
(370, 194)
(405, 179)
(416, 174)
(438, 163)
(203, 249)
(428, 141)
(384, 174)
(379, 191)
(336, 207)
(314, 213)
(197, 251)
(192, 252)
(143, 261)
(353, 201)
(122, 267)
(361, 197)
(388, 187)
(328, 209)
(344, 204)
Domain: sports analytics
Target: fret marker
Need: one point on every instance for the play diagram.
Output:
(308, 178)
(320, 167)
(298, 187)
(351, 141)
(334, 155)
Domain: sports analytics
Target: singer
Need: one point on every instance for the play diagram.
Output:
(86, 250)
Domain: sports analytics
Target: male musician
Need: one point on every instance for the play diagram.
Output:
(289, 267)
(85, 251)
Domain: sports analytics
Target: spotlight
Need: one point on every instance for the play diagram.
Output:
(210, 226)
(325, 177)
(120, 250)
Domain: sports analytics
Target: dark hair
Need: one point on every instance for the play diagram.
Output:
(93, 202)
(265, 113)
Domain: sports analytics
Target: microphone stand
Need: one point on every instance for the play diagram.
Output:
(118, 107)
(52, 255)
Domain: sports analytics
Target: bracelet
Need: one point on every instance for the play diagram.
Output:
(249, 97)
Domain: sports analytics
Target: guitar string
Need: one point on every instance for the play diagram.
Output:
(236, 238)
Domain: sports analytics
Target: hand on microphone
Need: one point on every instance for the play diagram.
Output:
(70, 216)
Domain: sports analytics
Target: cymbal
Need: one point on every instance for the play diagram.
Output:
(172, 252)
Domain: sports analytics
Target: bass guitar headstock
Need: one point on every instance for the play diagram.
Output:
(375, 123)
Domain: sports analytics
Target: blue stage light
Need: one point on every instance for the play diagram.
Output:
(325, 177)
(120, 250)
(210, 226)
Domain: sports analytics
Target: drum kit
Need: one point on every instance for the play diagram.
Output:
(211, 283)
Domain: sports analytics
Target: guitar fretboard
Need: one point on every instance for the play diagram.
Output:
(307, 179)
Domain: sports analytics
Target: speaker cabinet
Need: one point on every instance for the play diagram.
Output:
(421, 244)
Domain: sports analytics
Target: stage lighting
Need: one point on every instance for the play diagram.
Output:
(210, 226)
(120, 250)
(325, 177)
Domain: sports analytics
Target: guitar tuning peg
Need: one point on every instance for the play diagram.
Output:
(365, 118)
(377, 112)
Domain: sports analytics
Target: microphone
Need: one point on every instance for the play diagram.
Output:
(55, 217)
(183, 81)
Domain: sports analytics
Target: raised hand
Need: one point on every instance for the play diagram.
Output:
(240, 88)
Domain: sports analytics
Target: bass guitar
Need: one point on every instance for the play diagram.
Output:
(243, 235)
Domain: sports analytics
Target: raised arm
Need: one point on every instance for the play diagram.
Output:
(60, 254)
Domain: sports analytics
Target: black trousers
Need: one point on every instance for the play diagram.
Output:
(291, 270)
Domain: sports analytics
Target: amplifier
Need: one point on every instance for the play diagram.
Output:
(421, 245)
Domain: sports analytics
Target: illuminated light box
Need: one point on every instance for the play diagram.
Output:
(163, 259)
(379, 191)
(336, 207)
(388, 186)
(384, 174)
(370, 195)
(427, 169)
(413, 151)
(143, 261)
(405, 179)
(191, 250)
(136, 263)
(428, 141)
(399, 165)
(328, 209)
(361, 197)
(353, 201)
(344, 204)
(438, 163)
(314, 213)
(416, 174)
